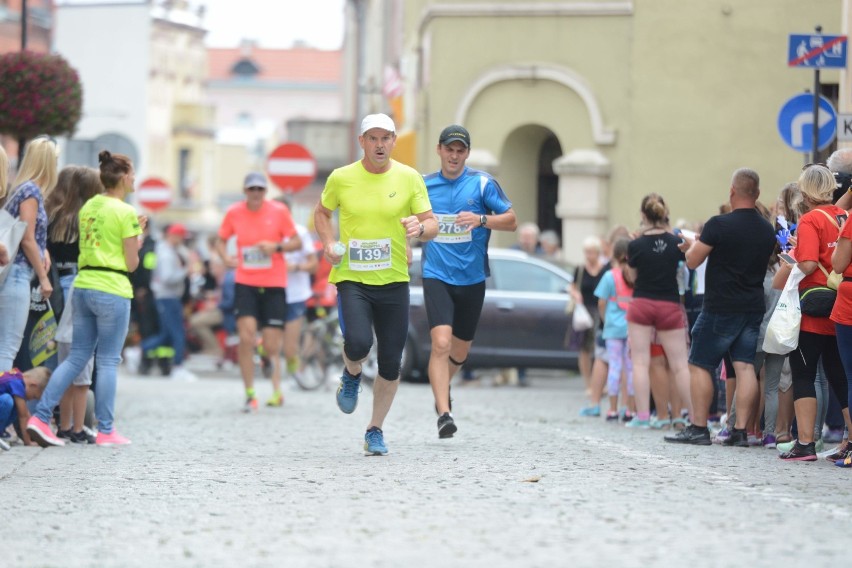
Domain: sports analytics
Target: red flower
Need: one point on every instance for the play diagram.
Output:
(39, 94)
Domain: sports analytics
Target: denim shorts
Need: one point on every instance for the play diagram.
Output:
(715, 334)
(296, 310)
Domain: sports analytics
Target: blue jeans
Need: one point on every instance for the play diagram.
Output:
(14, 311)
(7, 410)
(172, 330)
(100, 319)
(844, 344)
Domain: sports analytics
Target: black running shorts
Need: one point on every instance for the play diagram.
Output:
(456, 306)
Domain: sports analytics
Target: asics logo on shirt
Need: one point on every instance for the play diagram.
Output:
(391, 194)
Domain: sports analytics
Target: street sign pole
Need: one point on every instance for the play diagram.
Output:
(815, 150)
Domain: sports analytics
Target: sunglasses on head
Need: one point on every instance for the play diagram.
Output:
(806, 166)
(255, 188)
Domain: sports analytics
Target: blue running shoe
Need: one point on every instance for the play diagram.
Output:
(374, 443)
(591, 411)
(347, 392)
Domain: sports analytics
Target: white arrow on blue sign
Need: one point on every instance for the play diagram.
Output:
(796, 122)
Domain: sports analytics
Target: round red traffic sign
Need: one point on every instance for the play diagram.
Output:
(154, 194)
(291, 167)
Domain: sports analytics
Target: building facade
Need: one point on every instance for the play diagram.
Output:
(582, 108)
(142, 66)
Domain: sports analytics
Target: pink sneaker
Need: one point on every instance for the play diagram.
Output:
(111, 439)
(41, 433)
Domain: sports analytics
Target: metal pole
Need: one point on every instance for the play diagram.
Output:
(21, 140)
(23, 24)
(815, 126)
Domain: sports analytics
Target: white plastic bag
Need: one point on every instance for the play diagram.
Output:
(782, 333)
(11, 232)
(582, 319)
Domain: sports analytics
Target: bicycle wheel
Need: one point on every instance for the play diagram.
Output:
(313, 359)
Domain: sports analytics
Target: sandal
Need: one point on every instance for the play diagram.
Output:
(783, 439)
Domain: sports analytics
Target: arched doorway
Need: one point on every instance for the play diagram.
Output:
(548, 186)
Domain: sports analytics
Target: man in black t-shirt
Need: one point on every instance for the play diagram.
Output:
(737, 246)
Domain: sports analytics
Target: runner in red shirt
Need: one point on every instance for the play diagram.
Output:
(264, 230)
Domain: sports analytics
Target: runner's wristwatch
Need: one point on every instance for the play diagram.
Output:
(422, 230)
(483, 220)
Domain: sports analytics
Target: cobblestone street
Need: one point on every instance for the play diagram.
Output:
(525, 482)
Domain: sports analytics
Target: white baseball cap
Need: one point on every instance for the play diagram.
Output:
(382, 121)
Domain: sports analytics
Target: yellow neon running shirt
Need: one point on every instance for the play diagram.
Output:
(371, 206)
(104, 224)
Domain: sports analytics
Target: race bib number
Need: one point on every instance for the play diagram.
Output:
(449, 232)
(370, 254)
(255, 259)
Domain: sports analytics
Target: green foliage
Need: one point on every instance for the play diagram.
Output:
(40, 93)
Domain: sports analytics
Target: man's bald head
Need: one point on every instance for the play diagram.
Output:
(746, 184)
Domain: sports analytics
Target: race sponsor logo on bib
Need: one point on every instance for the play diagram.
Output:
(365, 255)
(449, 232)
(255, 259)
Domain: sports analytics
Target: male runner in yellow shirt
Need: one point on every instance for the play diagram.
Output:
(382, 203)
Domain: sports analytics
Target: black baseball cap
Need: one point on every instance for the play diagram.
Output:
(454, 133)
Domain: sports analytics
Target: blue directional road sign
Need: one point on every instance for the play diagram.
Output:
(816, 51)
(796, 120)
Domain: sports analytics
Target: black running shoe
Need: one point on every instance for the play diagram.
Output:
(738, 438)
(801, 452)
(82, 437)
(691, 435)
(446, 426)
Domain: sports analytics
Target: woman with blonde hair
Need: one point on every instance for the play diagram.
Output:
(816, 236)
(75, 186)
(36, 178)
(586, 279)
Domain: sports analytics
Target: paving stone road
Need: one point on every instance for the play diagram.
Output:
(525, 483)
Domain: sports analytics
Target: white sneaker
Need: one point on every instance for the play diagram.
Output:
(181, 374)
(4, 445)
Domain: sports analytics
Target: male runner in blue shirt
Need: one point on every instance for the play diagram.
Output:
(468, 205)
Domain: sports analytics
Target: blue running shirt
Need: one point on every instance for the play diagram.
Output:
(457, 256)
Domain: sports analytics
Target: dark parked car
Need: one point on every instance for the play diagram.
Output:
(523, 321)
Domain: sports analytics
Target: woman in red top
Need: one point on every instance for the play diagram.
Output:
(816, 237)
(841, 315)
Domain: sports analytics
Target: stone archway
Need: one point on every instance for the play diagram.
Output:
(601, 134)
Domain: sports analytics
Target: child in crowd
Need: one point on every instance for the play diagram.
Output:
(614, 293)
(16, 389)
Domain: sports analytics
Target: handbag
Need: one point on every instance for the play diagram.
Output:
(782, 332)
(582, 319)
(12, 232)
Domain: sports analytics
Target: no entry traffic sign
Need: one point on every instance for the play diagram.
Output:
(291, 167)
(154, 194)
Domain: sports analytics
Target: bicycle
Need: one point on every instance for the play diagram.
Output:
(320, 351)
(321, 354)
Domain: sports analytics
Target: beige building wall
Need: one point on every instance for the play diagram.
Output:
(673, 94)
